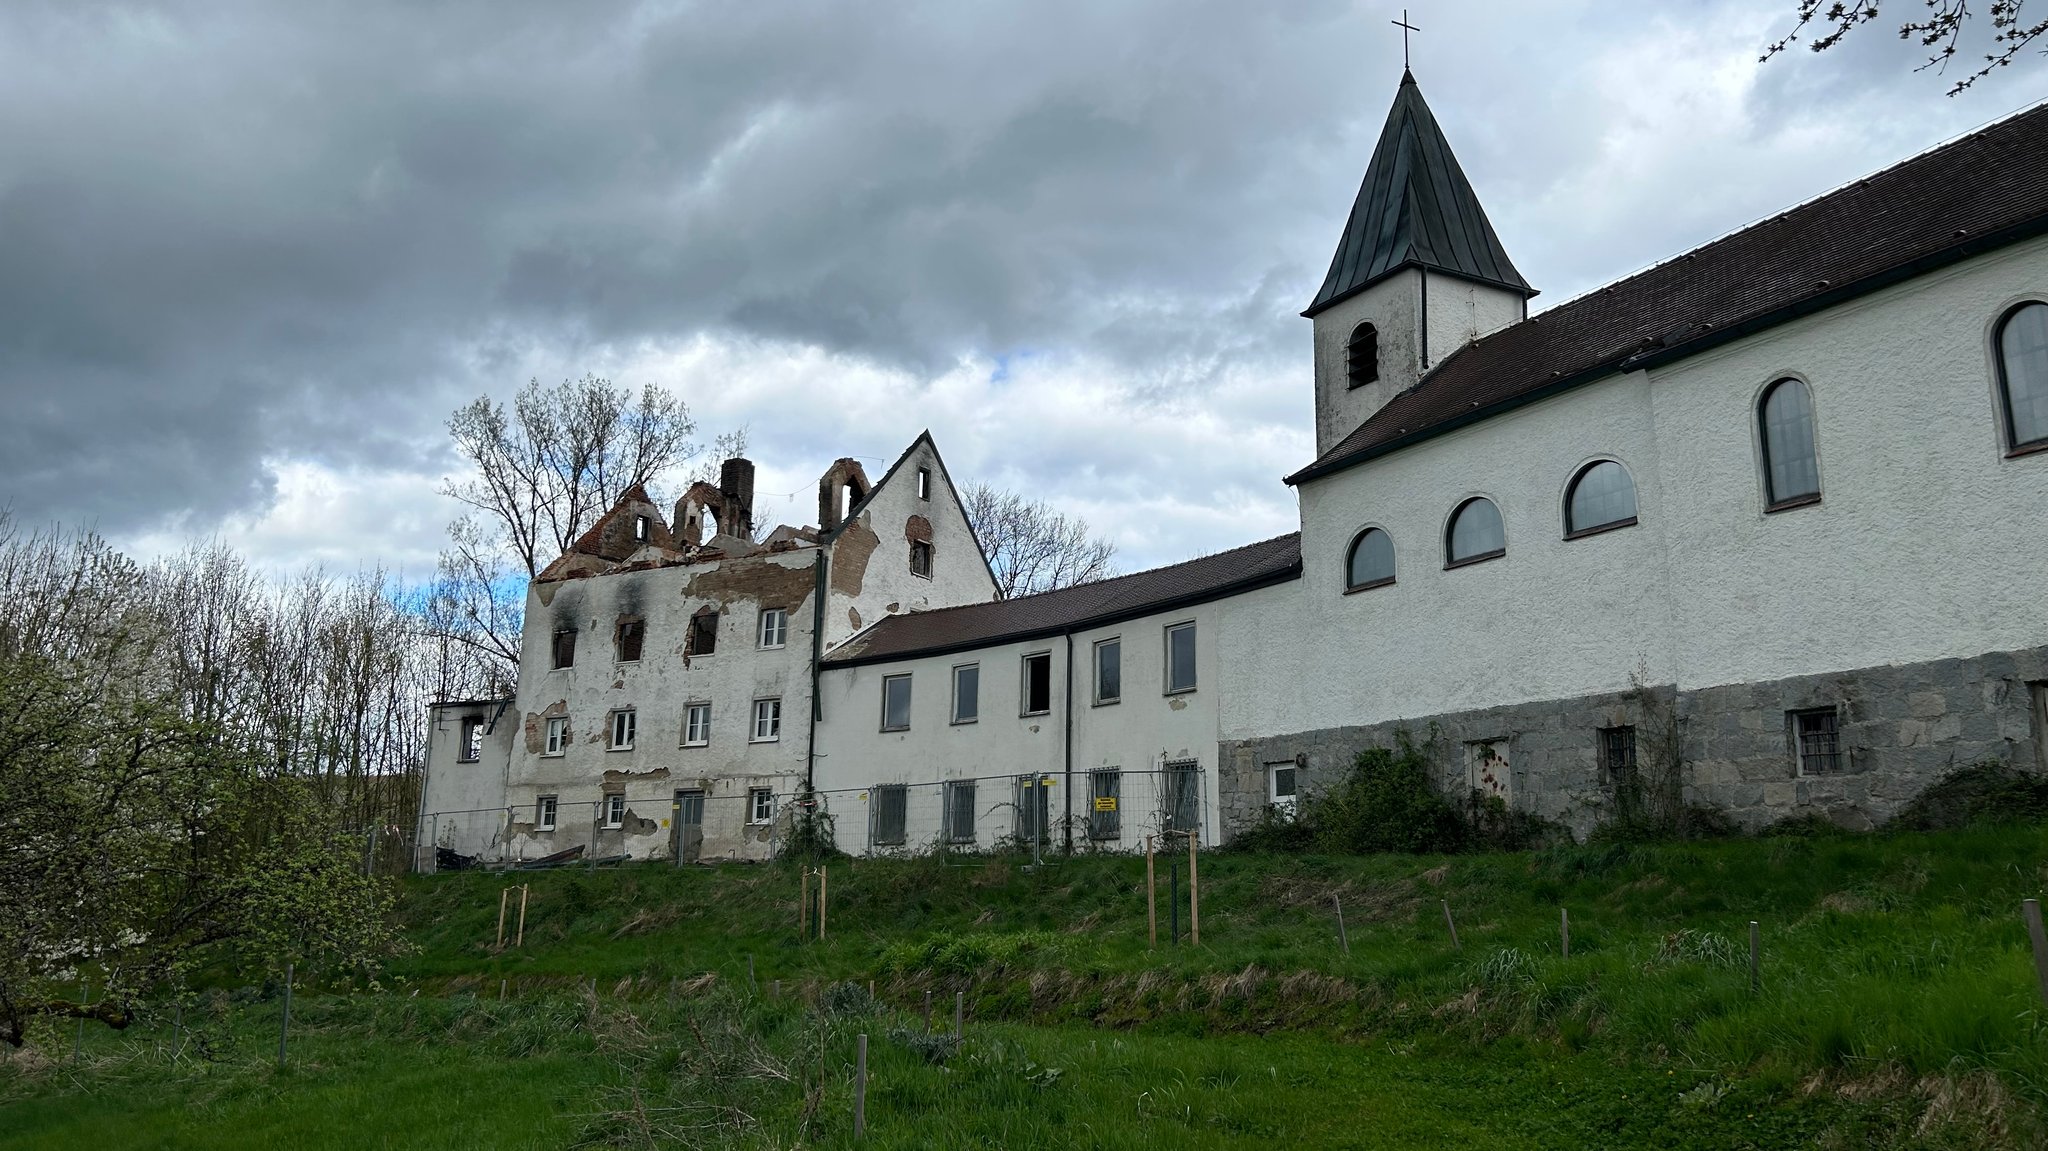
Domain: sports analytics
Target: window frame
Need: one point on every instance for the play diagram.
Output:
(930, 554)
(1351, 552)
(696, 628)
(1024, 709)
(1106, 826)
(1571, 490)
(469, 747)
(1795, 727)
(1290, 802)
(769, 706)
(1451, 527)
(547, 810)
(556, 650)
(1772, 504)
(555, 737)
(691, 708)
(1095, 667)
(1351, 365)
(1194, 657)
(955, 718)
(620, 631)
(760, 806)
(2002, 376)
(889, 681)
(643, 529)
(950, 797)
(779, 617)
(1612, 774)
(631, 716)
(924, 484)
(613, 811)
(877, 837)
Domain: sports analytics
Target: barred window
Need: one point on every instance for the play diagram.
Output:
(1034, 809)
(1818, 734)
(1105, 790)
(892, 809)
(1182, 798)
(1617, 755)
(959, 814)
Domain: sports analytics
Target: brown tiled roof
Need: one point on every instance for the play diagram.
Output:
(1981, 192)
(1088, 605)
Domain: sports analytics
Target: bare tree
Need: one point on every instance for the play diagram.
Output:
(1940, 29)
(1031, 546)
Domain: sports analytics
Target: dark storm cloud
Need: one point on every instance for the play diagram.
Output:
(234, 234)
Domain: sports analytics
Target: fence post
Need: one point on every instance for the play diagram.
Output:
(822, 904)
(860, 1086)
(803, 905)
(927, 1011)
(284, 1026)
(1194, 891)
(1755, 960)
(1151, 899)
(520, 940)
(504, 899)
(1453, 925)
(959, 1012)
(1343, 940)
(1564, 929)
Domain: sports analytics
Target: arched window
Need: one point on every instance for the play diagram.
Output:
(2023, 375)
(1791, 474)
(1475, 533)
(1371, 562)
(1601, 496)
(1362, 355)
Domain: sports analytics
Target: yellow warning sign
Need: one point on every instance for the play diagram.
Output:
(1105, 803)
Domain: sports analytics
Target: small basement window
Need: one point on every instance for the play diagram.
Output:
(1618, 756)
(703, 639)
(614, 811)
(632, 633)
(1282, 779)
(1817, 738)
(557, 735)
(1038, 683)
(472, 739)
(544, 812)
(920, 559)
(564, 649)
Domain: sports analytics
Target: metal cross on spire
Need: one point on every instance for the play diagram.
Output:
(1405, 28)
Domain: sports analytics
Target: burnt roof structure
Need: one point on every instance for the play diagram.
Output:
(1963, 199)
(1068, 609)
(1415, 209)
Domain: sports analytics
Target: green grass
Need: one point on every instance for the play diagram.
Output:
(1898, 1007)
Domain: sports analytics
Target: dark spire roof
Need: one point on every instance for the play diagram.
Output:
(1415, 209)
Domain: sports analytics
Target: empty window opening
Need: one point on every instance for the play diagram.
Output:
(544, 812)
(703, 638)
(1362, 355)
(615, 810)
(557, 735)
(1281, 782)
(1038, 683)
(891, 814)
(967, 693)
(924, 483)
(895, 703)
(760, 805)
(640, 529)
(623, 723)
(774, 627)
(1180, 658)
(472, 739)
(1618, 757)
(696, 725)
(632, 632)
(959, 813)
(767, 720)
(1105, 802)
(920, 559)
(565, 648)
(1109, 671)
(1817, 735)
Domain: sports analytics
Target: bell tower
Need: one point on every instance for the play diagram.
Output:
(1418, 274)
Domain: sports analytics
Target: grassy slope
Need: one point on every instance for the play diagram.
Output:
(1895, 969)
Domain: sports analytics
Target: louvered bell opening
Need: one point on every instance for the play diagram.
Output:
(1362, 355)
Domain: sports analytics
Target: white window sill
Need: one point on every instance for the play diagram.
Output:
(699, 743)
(553, 754)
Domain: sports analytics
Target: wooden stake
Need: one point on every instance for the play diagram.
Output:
(822, 902)
(803, 907)
(2031, 909)
(501, 989)
(1756, 960)
(1453, 925)
(1343, 940)
(520, 939)
(1194, 894)
(1151, 898)
(860, 1087)
(1564, 930)
(504, 897)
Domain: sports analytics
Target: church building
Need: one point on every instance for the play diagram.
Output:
(1761, 525)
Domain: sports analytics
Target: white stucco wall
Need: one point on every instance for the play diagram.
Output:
(871, 575)
(471, 793)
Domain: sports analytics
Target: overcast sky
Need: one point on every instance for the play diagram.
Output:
(253, 254)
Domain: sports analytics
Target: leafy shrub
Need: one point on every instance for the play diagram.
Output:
(1989, 792)
(1384, 803)
(847, 1000)
(934, 1047)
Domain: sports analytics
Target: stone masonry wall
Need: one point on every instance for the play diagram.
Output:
(1900, 728)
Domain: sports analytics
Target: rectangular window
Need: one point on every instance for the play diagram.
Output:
(703, 633)
(1281, 782)
(1109, 671)
(959, 813)
(767, 720)
(924, 483)
(640, 529)
(614, 811)
(631, 633)
(921, 559)
(544, 813)
(760, 805)
(472, 739)
(774, 627)
(1180, 658)
(1105, 794)
(558, 735)
(1182, 796)
(1034, 809)
(1618, 756)
(696, 724)
(1817, 733)
(892, 811)
(967, 693)
(1038, 683)
(895, 703)
(565, 649)
(623, 723)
